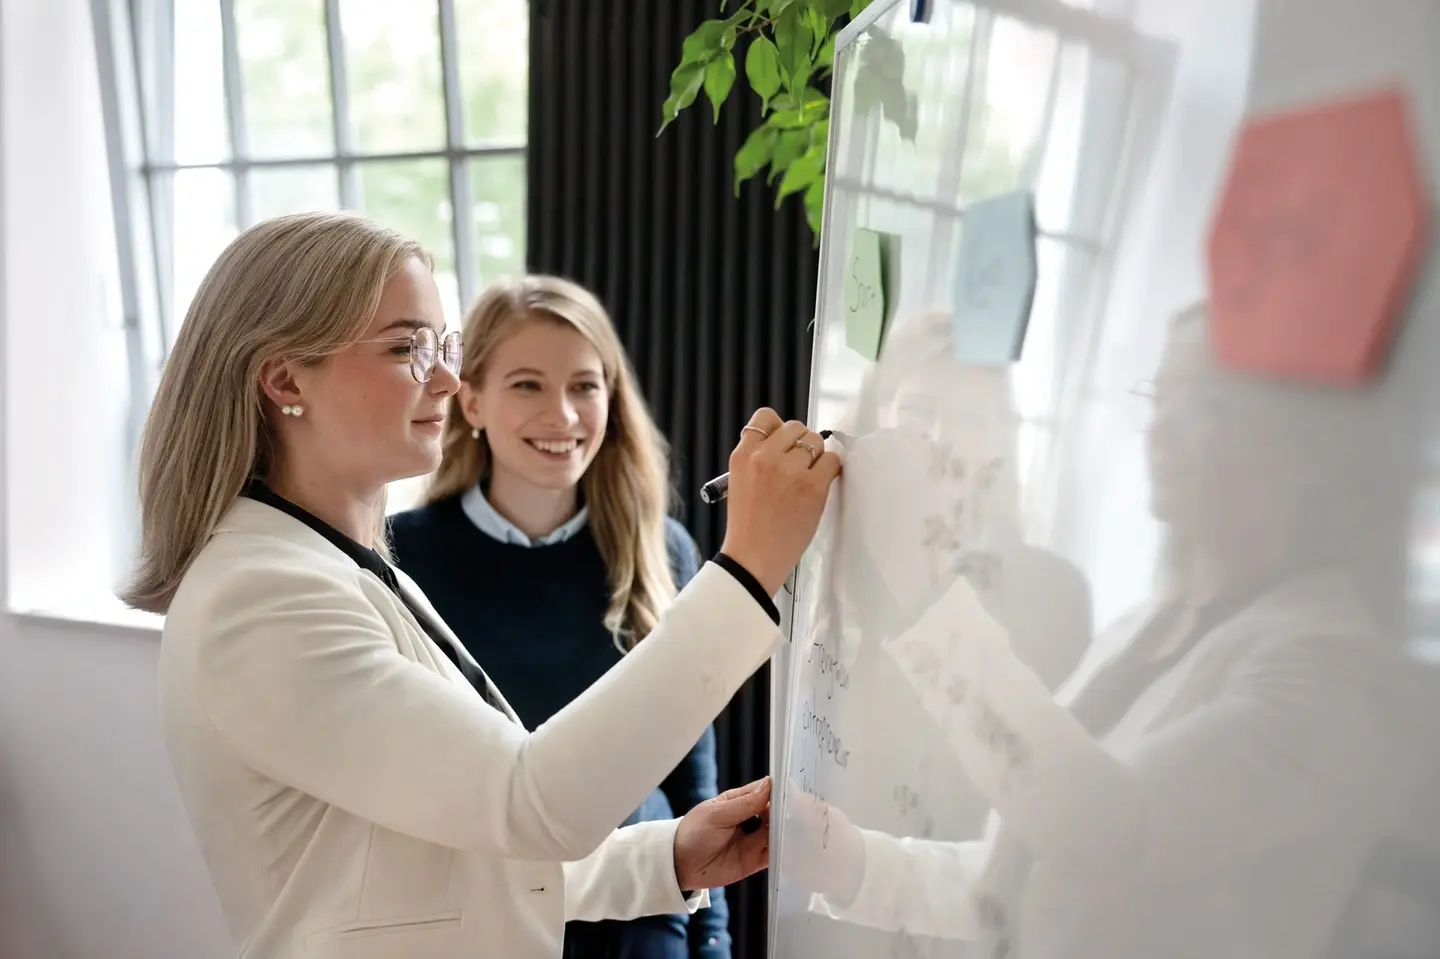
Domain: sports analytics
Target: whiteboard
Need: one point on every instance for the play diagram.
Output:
(1003, 695)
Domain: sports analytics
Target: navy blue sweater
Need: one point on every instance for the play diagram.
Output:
(533, 618)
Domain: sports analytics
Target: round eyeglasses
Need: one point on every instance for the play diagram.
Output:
(429, 349)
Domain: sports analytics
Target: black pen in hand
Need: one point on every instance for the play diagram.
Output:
(719, 487)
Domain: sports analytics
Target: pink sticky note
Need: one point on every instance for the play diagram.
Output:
(1316, 240)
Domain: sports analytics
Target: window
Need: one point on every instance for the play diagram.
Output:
(1056, 99)
(222, 113)
(1059, 103)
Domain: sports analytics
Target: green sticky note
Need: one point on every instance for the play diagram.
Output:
(868, 274)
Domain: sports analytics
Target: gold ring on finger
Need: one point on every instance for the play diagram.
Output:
(809, 448)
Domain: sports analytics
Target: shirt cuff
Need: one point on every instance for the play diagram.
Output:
(751, 584)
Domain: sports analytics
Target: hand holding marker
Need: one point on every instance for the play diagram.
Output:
(719, 487)
(713, 492)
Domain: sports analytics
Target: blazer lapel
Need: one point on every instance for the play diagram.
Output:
(415, 596)
(248, 515)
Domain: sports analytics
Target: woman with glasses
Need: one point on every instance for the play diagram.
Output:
(545, 543)
(358, 785)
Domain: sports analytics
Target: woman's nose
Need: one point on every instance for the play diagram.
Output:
(443, 382)
(1160, 430)
(562, 411)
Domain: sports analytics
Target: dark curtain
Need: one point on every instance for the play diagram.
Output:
(713, 295)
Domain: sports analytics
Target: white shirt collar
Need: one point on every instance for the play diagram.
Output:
(489, 521)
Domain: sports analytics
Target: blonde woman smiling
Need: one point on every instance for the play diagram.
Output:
(545, 542)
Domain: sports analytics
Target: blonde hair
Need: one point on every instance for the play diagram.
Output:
(300, 286)
(627, 486)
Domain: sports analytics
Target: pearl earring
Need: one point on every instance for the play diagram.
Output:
(474, 433)
(292, 410)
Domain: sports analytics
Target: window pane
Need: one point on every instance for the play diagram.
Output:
(493, 45)
(203, 217)
(275, 191)
(413, 196)
(397, 100)
(200, 130)
(285, 64)
(1007, 110)
(498, 188)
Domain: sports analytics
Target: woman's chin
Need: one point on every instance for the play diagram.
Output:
(421, 462)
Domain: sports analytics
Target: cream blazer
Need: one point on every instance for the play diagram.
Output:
(1229, 813)
(354, 797)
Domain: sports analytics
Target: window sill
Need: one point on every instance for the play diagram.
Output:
(98, 613)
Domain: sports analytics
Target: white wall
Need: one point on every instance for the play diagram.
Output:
(65, 374)
(96, 858)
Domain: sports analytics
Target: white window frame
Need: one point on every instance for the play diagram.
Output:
(1105, 31)
(129, 35)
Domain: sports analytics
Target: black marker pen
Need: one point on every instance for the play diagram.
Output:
(719, 487)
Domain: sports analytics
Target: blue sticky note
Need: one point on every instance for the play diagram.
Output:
(995, 279)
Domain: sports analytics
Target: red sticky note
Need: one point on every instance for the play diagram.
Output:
(1316, 240)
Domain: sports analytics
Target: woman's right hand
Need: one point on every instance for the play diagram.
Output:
(777, 492)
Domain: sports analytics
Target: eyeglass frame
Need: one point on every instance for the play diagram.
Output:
(416, 366)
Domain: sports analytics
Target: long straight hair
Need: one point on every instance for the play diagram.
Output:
(300, 286)
(626, 487)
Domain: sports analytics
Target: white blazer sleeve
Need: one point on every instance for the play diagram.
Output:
(1290, 745)
(631, 874)
(298, 672)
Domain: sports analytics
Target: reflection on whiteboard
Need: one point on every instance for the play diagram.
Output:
(974, 763)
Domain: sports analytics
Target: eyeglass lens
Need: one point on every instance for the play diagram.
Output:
(426, 348)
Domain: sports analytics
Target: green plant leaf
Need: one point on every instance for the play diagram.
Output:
(814, 99)
(857, 7)
(790, 145)
(801, 174)
(762, 69)
(820, 132)
(754, 153)
(704, 42)
(819, 25)
(719, 78)
(685, 83)
(826, 57)
(792, 40)
(787, 120)
(815, 204)
(836, 8)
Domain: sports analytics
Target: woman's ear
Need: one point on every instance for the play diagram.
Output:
(277, 381)
(472, 406)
